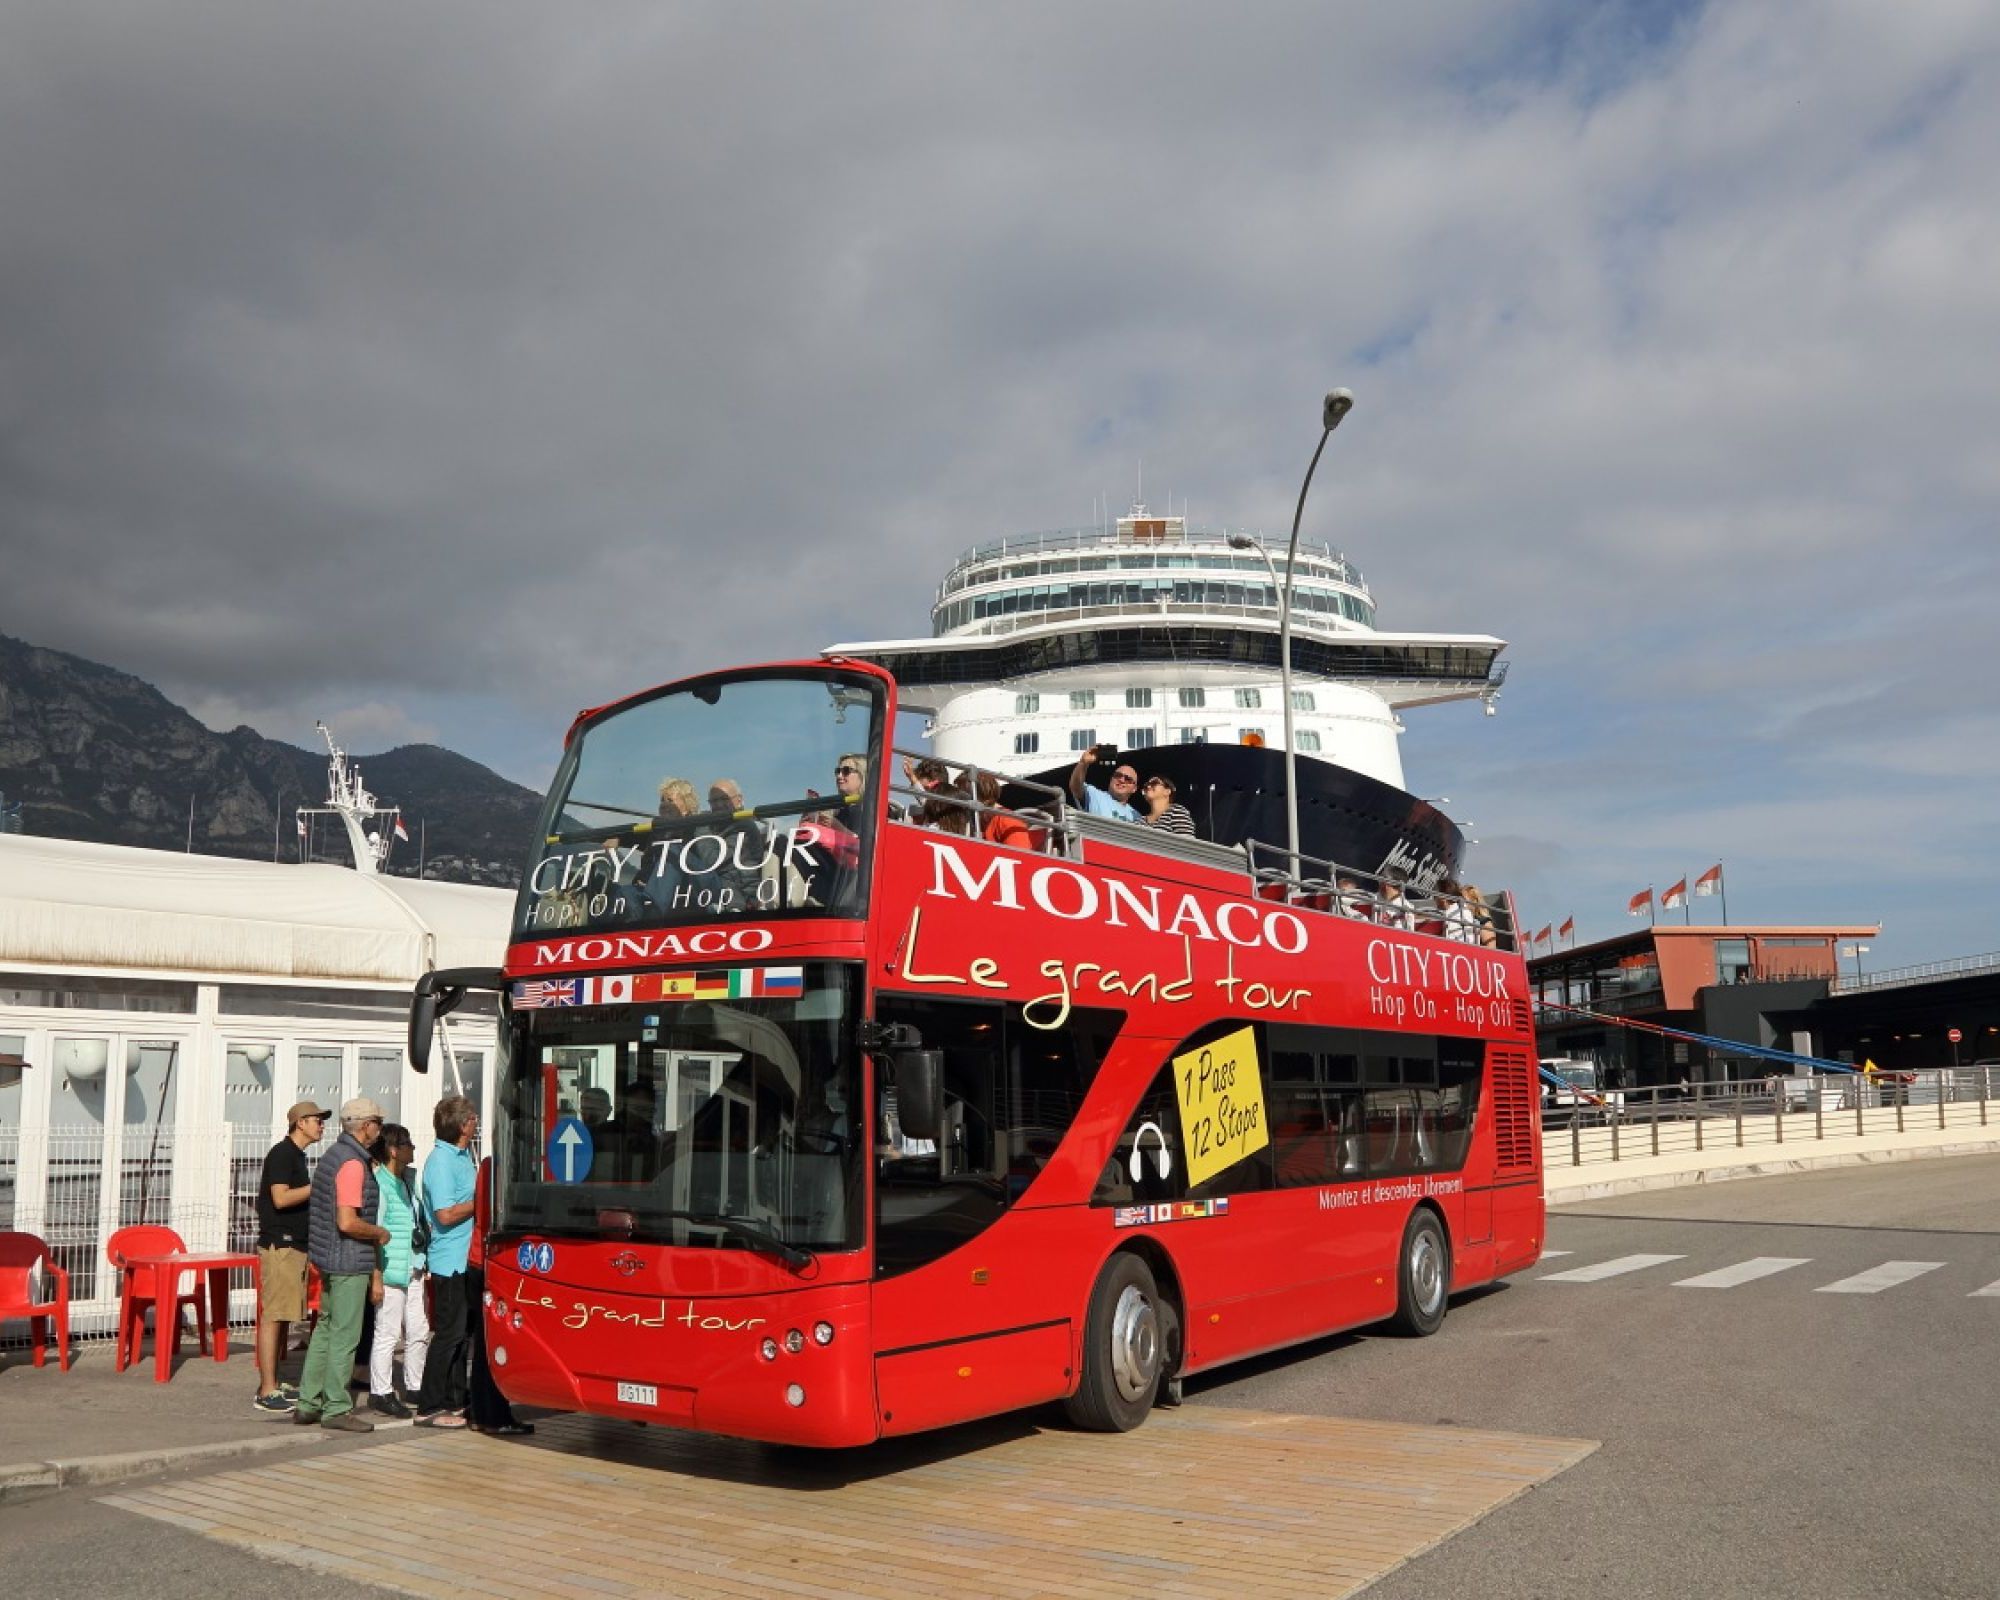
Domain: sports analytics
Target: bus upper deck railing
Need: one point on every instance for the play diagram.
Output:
(1610, 1125)
(949, 801)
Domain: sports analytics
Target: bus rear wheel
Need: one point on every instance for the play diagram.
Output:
(1423, 1280)
(1124, 1349)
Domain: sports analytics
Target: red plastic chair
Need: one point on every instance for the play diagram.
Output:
(18, 1254)
(141, 1287)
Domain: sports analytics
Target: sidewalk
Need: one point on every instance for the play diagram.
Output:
(95, 1425)
(1564, 1184)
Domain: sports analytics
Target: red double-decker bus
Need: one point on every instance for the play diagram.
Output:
(815, 1125)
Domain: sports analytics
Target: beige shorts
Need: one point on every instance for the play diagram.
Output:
(282, 1285)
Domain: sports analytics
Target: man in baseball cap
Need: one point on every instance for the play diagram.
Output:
(343, 1234)
(283, 1191)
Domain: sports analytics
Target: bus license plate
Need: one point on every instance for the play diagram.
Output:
(638, 1394)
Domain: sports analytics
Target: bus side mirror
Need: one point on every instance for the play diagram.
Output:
(919, 1092)
(423, 1022)
(438, 994)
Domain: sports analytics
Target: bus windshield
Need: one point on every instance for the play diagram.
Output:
(749, 796)
(722, 1110)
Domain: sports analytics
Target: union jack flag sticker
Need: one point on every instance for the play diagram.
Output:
(539, 992)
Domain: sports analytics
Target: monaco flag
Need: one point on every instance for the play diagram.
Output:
(1639, 901)
(1674, 895)
(1568, 928)
(402, 832)
(1709, 881)
(1546, 936)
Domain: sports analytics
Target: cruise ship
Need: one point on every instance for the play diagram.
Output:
(1165, 640)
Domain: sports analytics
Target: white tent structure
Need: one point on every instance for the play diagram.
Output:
(159, 1012)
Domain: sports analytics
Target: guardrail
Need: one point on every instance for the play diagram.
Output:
(1826, 1108)
(1928, 972)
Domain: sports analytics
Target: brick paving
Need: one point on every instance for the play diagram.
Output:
(1200, 1502)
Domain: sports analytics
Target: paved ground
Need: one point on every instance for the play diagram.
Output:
(1763, 1439)
(1203, 1503)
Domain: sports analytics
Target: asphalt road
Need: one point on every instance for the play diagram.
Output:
(1763, 1439)
(1766, 1439)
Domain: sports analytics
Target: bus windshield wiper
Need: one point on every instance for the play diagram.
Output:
(793, 1256)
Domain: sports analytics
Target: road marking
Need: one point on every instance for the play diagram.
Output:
(1550, 1255)
(1743, 1272)
(1606, 1269)
(1876, 1279)
(1990, 1292)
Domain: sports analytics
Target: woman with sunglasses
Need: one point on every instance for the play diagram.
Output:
(1162, 810)
(398, 1290)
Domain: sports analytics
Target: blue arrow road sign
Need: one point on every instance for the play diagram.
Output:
(570, 1151)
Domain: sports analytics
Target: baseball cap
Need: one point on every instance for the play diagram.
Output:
(361, 1109)
(304, 1109)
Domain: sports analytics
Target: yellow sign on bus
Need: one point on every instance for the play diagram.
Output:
(1220, 1087)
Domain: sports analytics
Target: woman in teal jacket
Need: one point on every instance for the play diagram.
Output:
(398, 1287)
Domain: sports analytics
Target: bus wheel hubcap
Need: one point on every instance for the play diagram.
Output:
(1135, 1344)
(1426, 1271)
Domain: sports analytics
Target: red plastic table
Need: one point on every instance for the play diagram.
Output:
(213, 1268)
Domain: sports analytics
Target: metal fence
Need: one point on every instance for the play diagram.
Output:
(74, 1187)
(1826, 1108)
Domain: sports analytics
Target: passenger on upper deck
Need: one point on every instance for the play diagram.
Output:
(1002, 827)
(1124, 784)
(1349, 898)
(1392, 908)
(850, 777)
(1163, 811)
(742, 868)
(1456, 913)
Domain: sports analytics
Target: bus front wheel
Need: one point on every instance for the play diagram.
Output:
(1423, 1280)
(1124, 1349)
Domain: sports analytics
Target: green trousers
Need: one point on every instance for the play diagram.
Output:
(330, 1357)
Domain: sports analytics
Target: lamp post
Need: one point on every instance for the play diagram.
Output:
(1336, 406)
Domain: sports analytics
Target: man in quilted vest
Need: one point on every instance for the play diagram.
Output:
(343, 1233)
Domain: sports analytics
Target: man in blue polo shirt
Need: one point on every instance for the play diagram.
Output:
(451, 1184)
(1124, 784)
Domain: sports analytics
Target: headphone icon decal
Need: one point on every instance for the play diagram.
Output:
(1164, 1159)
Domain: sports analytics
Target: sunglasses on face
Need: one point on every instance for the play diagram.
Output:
(847, 772)
(1123, 777)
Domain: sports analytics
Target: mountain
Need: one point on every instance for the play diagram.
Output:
(94, 753)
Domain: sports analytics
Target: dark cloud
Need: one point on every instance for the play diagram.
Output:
(465, 365)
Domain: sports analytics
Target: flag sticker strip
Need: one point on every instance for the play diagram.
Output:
(1169, 1211)
(653, 988)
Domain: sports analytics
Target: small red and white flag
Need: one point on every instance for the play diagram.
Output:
(1567, 930)
(1546, 936)
(1710, 880)
(402, 832)
(1675, 894)
(1640, 901)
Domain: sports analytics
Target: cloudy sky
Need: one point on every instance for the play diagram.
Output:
(438, 370)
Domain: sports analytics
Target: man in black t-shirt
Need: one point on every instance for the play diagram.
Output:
(284, 1193)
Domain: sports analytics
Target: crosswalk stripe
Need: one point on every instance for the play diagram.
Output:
(1606, 1269)
(1549, 1255)
(1876, 1279)
(1743, 1272)
(1990, 1292)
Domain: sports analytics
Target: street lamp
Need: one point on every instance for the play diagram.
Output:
(1336, 406)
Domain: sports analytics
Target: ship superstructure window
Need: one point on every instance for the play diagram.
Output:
(66, 993)
(1193, 699)
(1139, 738)
(1304, 700)
(1026, 744)
(1082, 738)
(1308, 741)
(1083, 699)
(1138, 699)
(1194, 736)
(1025, 704)
(1249, 699)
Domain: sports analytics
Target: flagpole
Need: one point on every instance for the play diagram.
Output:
(1652, 908)
(1687, 905)
(423, 843)
(1722, 892)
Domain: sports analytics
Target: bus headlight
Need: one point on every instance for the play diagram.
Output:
(794, 1340)
(516, 1320)
(499, 1355)
(795, 1394)
(768, 1349)
(822, 1333)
